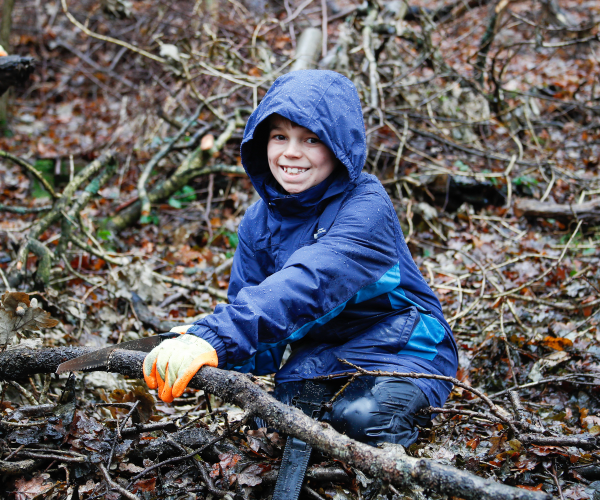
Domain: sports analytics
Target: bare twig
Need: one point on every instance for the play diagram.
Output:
(109, 39)
(32, 170)
(116, 486)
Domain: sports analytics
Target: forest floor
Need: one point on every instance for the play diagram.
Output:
(483, 124)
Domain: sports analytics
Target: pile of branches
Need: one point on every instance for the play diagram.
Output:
(477, 162)
(80, 442)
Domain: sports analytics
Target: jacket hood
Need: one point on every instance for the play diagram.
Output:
(324, 102)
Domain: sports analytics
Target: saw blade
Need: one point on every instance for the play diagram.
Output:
(293, 468)
(100, 357)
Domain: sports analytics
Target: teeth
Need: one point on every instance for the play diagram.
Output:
(294, 170)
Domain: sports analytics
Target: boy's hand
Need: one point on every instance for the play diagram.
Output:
(171, 365)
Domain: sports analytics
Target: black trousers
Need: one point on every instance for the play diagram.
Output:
(371, 409)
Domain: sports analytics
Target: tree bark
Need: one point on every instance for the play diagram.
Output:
(239, 389)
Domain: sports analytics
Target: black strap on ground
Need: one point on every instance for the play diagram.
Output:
(297, 453)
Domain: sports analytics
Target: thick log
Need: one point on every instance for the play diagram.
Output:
(533, 208)
(14, 71)
(308, 49)
(239, 389)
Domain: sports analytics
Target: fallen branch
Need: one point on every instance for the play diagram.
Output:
(143, 179)
(583, 441)
(194, 165)
(215, 292)
(112, 485)
(53, 215)
(471, 151)
(102, 168)
(308, 49)
(238, 389)
(23, 210)
(14, 71)
(148, 319)
(31, 169)
(19, 468)
(534, 208)
(109, 39)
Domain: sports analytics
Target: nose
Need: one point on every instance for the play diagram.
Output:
(292, 150)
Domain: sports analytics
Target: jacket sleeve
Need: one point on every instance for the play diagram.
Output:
(312, 287)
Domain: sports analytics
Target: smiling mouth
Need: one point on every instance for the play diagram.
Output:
(293, 170)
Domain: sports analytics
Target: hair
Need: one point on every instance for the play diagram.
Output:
(275, 117)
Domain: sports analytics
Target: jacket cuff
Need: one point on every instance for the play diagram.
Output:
(213, 339)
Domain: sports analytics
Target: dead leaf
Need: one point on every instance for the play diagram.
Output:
(496, 443)
(16, 314)
(543, 451)
(526, 464)
(33, 488)
(549, 361)
(136, 277)
(11, 300)
(35, 319)
(557, 343)
(144, 485)
(185, 255)
(245, 479)
(146, 402)
(473, 443)
(516, 445)
(576, 492)
(530, 488)
(259, 441)
(131, 468)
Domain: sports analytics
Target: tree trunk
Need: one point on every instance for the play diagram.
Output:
(5, 26)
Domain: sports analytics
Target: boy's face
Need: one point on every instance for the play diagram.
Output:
(297, 158)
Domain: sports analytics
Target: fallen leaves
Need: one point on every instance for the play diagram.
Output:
(18, 313)
(35, 487)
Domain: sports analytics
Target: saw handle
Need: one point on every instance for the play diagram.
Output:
(169, 335)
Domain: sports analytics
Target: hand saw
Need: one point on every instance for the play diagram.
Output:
(99, 358)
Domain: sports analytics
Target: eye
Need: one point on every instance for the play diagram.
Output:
(313, 140)
(278, 137)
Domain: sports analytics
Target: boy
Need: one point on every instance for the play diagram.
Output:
(321, 265)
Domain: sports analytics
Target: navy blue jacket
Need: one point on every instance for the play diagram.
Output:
(326, 270)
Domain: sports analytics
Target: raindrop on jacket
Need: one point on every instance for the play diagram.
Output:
(326, 270)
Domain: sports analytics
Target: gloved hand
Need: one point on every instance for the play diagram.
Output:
(171, 365)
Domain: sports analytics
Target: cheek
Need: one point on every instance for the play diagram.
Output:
(270, 151)
(329, 162)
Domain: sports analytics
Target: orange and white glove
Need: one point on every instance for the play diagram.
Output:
(171, 365)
